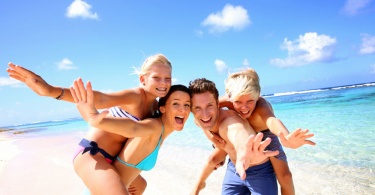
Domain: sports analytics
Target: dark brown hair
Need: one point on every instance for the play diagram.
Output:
(202, 85)
(163, 100)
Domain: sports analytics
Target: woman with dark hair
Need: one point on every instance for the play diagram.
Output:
(145, 137)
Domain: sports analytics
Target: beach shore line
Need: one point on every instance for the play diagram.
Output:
(8, 151)
(39, 165)
(43, 165)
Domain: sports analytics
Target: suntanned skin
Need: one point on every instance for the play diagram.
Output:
(140, 102)
(145, 134)
(242, 146)
(259, 114)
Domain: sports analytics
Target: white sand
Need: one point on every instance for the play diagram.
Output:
(43, 165)
(177, 170)
(8, 151)
(39, 166)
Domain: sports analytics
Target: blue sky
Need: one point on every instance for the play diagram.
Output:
(293, 45)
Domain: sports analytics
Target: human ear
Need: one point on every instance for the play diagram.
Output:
(142, 80)
(162, 109)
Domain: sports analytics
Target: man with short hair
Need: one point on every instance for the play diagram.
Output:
(242, 146)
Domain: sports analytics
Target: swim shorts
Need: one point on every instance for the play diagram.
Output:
(260, 180)
(274, 145)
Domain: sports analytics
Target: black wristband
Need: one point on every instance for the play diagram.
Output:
(61, 95)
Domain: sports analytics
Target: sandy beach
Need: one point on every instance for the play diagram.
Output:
(39, 166)
(43, 165)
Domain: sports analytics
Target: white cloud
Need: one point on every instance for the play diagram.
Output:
(368, 44)
(220, 66)
(230, 17)
(65, 64)
(246, 63)
(174, 81)
(199, 33)
(308, 48)
(4, 81)
(352, 7)
(81, 9)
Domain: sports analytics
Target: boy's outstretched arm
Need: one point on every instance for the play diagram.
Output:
(292, 140)
(296, 139)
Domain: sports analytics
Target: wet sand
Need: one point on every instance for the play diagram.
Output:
(43, 165)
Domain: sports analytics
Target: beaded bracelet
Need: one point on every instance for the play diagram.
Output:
(61, 95)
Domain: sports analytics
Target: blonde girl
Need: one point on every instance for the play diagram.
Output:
(98, 149)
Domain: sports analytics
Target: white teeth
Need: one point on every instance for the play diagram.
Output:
(179, 119)
(205, 120)
(161, 89)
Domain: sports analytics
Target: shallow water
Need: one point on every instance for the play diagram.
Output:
(342, 119)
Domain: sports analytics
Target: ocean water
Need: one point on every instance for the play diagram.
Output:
(342, 119)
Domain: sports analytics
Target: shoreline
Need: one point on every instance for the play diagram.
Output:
(43, 165)
(38, 165)
(8, 151)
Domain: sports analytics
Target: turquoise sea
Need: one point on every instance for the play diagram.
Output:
(342, 119)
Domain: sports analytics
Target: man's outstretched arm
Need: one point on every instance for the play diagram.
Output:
(249, 147)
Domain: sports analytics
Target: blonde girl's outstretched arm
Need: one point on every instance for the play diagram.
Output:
(37, 83)
(43, 88)
(122, 126)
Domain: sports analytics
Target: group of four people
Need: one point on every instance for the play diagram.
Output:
(125, 138)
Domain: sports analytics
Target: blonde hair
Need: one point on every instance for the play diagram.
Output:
(243, 83)
(158, 58)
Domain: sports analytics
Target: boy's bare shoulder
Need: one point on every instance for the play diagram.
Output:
(227, 113)
(229, 116)
(262, 102)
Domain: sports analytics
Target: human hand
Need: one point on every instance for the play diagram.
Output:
(84, 100)
(296, 139)
(218, 141)
(32, 80)
(197, 188)
(219, 164)
(132, 190)
(253, 153)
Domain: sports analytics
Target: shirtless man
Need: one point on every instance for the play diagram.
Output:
(242, 146)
